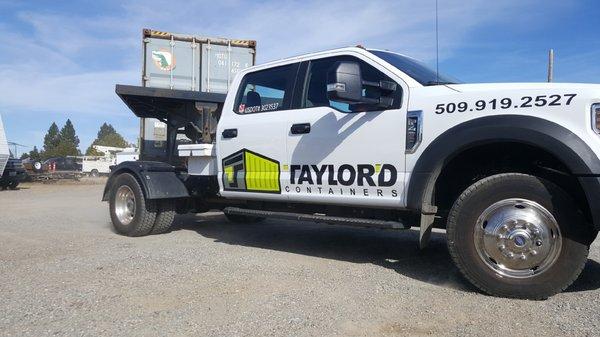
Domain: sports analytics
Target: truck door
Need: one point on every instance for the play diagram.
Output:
(345, 154)
(252, 135)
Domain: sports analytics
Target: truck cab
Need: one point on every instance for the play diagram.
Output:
(373, 138)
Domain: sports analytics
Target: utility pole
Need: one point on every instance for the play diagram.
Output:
(15, 147)
(550, 65)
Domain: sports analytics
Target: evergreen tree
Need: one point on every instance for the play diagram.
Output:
(51, 140)
(34, 154)
(68, 141)
(106, 129)
(107, 136)
(67, 134)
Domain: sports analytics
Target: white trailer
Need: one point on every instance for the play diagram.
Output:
(4, 152)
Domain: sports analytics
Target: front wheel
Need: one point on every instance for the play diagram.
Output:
(516, 235)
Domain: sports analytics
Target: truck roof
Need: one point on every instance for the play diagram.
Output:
(410, 82)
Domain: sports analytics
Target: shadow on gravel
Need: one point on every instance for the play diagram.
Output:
(396, 250)
(589, 278)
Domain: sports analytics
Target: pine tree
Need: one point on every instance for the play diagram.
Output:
(68, 141)
(51, 140)
(34, 154)
(105, 129)
(107, 136)
(67, 134)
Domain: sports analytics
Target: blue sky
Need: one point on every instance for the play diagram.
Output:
(61, 59)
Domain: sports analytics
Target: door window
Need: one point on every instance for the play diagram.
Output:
(266, 90)
(315, 93)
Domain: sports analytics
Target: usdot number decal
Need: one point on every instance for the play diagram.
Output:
(506, 103)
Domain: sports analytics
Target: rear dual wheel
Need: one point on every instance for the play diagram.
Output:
(516, 235)
(132, 214)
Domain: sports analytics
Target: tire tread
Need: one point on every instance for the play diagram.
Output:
(461, 265)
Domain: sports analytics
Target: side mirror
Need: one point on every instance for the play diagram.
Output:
(345, 84)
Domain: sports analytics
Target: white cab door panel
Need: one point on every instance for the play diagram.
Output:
(344, 158)
(252, 137)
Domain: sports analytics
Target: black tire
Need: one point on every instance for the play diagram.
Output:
(13, 185)
(94, 173)
(235, 218)
(165, 217)
(145, 210)
(575, 236)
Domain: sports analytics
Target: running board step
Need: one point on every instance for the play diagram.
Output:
(357, 222)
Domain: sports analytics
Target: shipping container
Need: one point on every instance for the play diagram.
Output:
(188, 62)
(4, 151)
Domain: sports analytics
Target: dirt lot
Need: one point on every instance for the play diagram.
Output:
(63, 271)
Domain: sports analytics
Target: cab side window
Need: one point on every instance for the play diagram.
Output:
(266, 90)
(315, 91)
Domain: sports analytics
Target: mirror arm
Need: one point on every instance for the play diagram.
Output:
(383, 85)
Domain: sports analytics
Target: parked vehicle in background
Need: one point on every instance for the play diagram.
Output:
(14, 173)
(97, 165)
(61, 164)
(128, 154)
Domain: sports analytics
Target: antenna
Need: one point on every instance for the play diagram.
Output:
(437, 46)
(550, 65)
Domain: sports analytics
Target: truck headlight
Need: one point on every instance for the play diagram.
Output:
(596, 117)
(414, 130)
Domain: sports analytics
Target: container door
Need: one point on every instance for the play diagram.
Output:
(221, 63)
(251, 131)
(168, 64)
(171, 64)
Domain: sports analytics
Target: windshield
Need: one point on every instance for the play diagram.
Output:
(415, 69)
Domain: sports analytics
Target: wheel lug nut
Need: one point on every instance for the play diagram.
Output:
(533, 252)
(538, 243)
(523, 257)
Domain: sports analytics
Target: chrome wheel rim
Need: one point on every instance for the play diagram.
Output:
(517, 238)
(125, 204)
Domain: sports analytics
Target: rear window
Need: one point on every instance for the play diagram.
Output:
(265, 90)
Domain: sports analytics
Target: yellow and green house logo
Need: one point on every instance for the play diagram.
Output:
(247, 171)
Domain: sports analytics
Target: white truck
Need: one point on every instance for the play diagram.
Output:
(100, 165)
(373, 138)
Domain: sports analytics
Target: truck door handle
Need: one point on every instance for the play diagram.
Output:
(300, 128)
(229, 133)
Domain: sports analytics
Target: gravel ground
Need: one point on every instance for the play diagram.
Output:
(63, 271)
